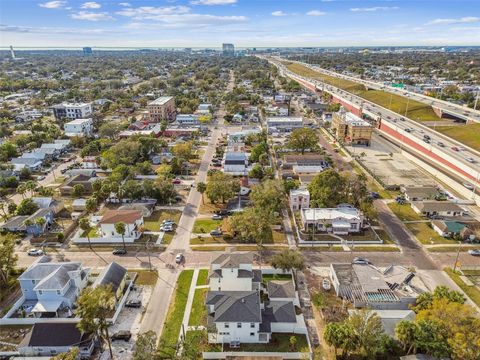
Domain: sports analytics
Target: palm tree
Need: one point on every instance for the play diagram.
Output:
(22, 189)
(120, 228)
(40, 221)
(201, 188)
(84, 224)
(30, 185)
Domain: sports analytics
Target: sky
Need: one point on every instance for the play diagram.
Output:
(245, 23)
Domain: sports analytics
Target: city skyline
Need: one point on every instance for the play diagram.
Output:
(246, 23)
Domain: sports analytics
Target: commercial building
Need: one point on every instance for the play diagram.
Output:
(188, 119)
(350, 129)
(283, 123)
(235, 163)
(72, 111)
(78, 127)
(162, 108)
(228, 50)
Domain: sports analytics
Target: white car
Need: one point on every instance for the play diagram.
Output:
(474, 252)
(470, 160)
(35, 252)
(166, 228)
(326, 284)
(179, 258)
(468, 186)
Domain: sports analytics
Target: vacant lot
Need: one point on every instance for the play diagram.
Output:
(204, 226)
(467, 134)
(152, 223)
(416, 110)
(404, 212)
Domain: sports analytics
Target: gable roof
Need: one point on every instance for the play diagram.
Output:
(54, 334)
(113, 274)
(233, 260)
(431, 205)
(125, 216)
(279, 311)
(50, 275)
(281, 289)
(235, 306)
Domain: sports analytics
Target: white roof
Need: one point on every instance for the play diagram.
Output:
(330, 214)
(78, 121)
(162, 100)
(354, 120)
(296, 192)
(47, 306)
(284, 119)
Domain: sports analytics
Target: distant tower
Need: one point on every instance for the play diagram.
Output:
(87, 51)
(12, 52)
(228, 50)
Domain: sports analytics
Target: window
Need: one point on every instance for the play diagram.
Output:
(58, 292)
(33, 281)
(227, 325)
(252, 334)
(40, 292)
(239, 325)
(252, 325)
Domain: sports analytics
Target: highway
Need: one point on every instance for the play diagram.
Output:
(438, 143)
(460, 111)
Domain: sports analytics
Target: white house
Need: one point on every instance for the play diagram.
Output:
(72, 110)
(204, 109)
(52, 288)
(233, 272)
(283, 123)
(133, 220)
(235, 163)
(342, 220)
(299, 199)
(437, 208)
(78, 127)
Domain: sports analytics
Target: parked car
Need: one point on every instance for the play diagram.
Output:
(133, 303)
(176, 181)
(474, 252)
(179, 258)
(468, 186)
(326, 284)
(35, 252)
(63, 171)
(361, 261)
(216, 232)
(119, 252)
(122, 335)
(168, 222)
(217, 217)
(166, 228)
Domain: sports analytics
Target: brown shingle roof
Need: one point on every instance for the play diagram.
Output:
(125, 216)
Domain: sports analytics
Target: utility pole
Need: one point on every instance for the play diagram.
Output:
(408, 101)
(476, 100)
(456, 258)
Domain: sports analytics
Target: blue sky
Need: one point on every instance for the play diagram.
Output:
(246, 23)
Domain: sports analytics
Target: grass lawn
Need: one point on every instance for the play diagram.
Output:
(93, 233)
(416, 110)
(384, 236)
(404, 212)
(204, 226)
(145, 277)
(377, 248)
(426, 235)
(173, 323)
(472, 291)
(198, 315)
(202, 277)
(468, 134)
(463, 248)
(279, 343)
(267, 277)
(152, 223)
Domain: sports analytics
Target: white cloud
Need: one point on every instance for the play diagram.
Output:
(150, 12)
(53, 4)
(463, 20)
(91, 5)
(279, 13)
(316, 13)
(126, 4)
(374, 8)
(91, 16)
(50, 30)
(212, 2)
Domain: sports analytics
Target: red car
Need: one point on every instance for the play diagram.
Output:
(454, 148)
(176, 181)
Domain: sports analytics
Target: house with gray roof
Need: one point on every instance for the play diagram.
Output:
(233, 271)
(29, 223)
(51, 289)
(437, 208)
(113, 275)
(282, 290)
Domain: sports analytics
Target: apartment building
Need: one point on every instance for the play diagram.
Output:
(78, 127)
(350, 129)
(72, 110)
(162, 108)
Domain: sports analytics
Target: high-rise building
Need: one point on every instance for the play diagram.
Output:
(87, 51)
(12, 52)
(228, 49)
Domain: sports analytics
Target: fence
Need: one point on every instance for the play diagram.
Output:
(256, 355)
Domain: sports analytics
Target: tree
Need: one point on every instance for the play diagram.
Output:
(405, 332)
(22, 189)
(78, 190)
(109, 130)
(94, 308)
(73, 354)
(425, 300)
(336, 335)
(91, 205)
(367, 329)
(183, 150)
(327, 189)
(8, 258)
(257, 151)
(84, 224)
(288, 260)
(256, 172)
(251, 226)
(302, 139)
(268, 197)
(26, 207)
(201, 188)
(120, 228)
(145, 346)
(221, 187)
(164, 170)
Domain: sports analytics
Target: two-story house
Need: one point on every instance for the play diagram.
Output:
(52, 288)
(299, 199)
(79, 127)
(133, 220)
(233, 272)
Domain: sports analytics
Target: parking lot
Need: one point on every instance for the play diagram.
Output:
(387, 163)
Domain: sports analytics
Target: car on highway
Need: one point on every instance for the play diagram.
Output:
(441, 144)
(454, 148)
(119, 252)
(361, 261)
(408, 130)
(468, 186)
(122, 335)
(474, 252)
(35, 252)
(470, 160)
(133, 303)
(216, 232)
(179, 258)
(217, 217)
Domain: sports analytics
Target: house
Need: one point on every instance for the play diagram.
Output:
(390, 318)
(86, 181)
(393, 288)
(162, 108)
(235, 163)
(133, 220)
(72, 110)
(79, 204)
(233, 271)
(342, 220)
(113, 275)
(431, 208)
(304, 164)
(147, 208)
(78, 127)
(447, 228)
(283, 123)
(204, 109)
(43, 202)
(188, 119)
(33, 164)
(51, 339)
(51, 289)
(420, 193)
(299, 199)
(30, 224)
(236, 312)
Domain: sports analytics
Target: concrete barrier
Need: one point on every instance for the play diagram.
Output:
(251, 354)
